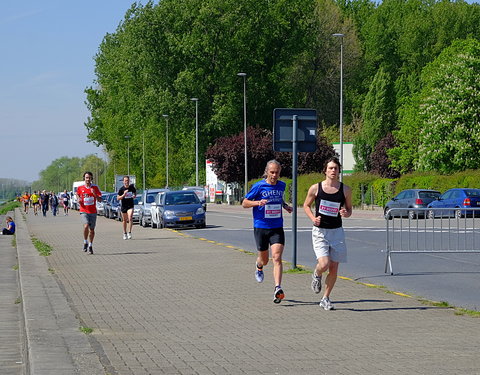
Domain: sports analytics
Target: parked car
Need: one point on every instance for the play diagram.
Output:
(201, 194)
(154, 210)
(111, 206)
(136, 211)
(408, 199)
(458, 199)
(179, 209)
(145, 203)
(101, 204)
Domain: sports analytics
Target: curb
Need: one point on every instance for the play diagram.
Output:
(54, 343)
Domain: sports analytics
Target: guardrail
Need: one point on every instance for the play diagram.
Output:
(431, 230)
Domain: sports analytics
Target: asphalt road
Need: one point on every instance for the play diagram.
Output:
(453, 278)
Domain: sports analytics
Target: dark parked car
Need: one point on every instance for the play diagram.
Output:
(111, 206)
(408, 199)
(179, 209)
(458, 199)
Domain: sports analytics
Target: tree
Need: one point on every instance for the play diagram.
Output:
(450, 110)
(379, 160)
(227, 155)
(378, 119)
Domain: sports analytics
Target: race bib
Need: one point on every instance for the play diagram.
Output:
(329, 208)
(273, 211)
(129, 194)
(89, 201)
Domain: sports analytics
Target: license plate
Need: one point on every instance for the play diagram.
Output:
(185, 218)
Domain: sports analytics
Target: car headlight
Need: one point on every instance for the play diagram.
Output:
(169, 213)
(200, 211)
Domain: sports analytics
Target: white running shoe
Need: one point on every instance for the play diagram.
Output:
(129, 236)
(125, 236)
(316, 283)
(326, 304)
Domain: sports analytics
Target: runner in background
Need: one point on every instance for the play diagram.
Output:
(35, 199)
(87, 196)
(65, 198)
(126, 196)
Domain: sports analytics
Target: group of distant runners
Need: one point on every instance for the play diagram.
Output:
(330, 198)
(44, 201)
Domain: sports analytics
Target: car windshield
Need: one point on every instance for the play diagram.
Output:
(151, 197)
(472, 193)
(181, 198)
(428, 194)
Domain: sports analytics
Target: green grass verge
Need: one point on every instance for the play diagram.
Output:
(86, 330)
(299, 270)
(43, 248)
(9, 206)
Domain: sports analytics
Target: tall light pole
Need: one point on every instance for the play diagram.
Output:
(166, 147)
(127, 137)
(244, 75)
(196, 140)
(338, 35)
(96, 169)
(143, 157)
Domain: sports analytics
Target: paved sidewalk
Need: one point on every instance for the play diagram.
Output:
(12, 360)
(167, 303)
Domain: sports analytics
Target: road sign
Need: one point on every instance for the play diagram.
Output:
(283, 129)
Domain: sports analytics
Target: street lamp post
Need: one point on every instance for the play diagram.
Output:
(338, 35)
(244, 75)
(143, 157)
(166, 147)
(127, 137)
(196, 140)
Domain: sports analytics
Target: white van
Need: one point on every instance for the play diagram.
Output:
(73, 200)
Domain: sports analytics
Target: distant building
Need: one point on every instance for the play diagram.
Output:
(348, 160)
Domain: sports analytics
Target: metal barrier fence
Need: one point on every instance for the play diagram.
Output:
(431, 230)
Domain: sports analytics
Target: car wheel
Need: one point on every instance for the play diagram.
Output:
(458, 214)
(431, 214)
(154, 225)
(142, 222)
(388, 216)
(412, 215)
(160, 224)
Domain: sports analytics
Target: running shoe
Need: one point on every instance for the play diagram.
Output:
(278, 295)
(316, 283)
(259, 275)
(129, 235)
(90, 250)
(125, 236)
(326, 304)
(85, 247)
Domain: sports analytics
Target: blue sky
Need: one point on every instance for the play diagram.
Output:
(45, 64)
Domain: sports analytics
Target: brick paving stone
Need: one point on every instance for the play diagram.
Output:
(170, 304)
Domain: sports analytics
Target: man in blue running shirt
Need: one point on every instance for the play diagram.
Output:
(266, 198)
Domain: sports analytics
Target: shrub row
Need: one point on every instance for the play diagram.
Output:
(373, 190)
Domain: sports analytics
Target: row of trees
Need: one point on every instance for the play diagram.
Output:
(411, 77)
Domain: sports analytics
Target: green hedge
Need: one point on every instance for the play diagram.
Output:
(371, 189)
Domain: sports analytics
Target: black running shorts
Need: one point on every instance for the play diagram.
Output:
(265, 237)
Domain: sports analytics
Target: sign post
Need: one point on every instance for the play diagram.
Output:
(294, 131)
